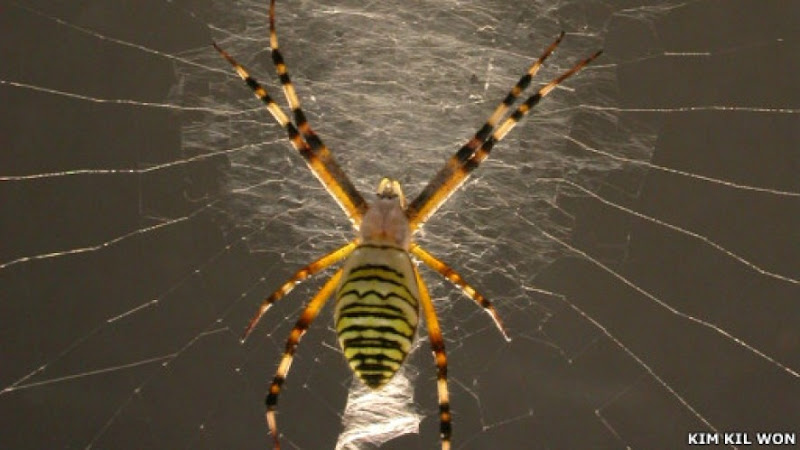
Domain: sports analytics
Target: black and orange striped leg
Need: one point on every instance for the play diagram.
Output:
(450, 274)
(300, 276)
(314, 141)
(482, 153)
(531, 101)
(308, 315)
(439, 356)
(449, 180)
(466, 151)
(485, 130)
(288, 87)
(321, 163)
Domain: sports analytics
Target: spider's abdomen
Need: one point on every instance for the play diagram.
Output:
(377, 311)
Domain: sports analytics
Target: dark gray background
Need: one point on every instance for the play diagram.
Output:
(560, 383)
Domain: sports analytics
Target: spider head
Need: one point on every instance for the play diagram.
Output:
(385, 221)
(389, 189)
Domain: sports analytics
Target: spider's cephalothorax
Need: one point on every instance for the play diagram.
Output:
(385, 221)
(377, 302)
(379, 290)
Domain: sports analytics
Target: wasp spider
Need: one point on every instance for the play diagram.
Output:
(378, 289)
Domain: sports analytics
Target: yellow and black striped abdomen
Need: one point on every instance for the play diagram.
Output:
(377, 311)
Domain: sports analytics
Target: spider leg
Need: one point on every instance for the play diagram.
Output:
(288, 87)
(314, 141)
(300, 276)
(439, 356)
(319, 160)
(308, 315)
(459, 166)
(466, 151)
(523, 109)
(450, 274)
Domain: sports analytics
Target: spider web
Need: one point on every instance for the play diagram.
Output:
(637, 233)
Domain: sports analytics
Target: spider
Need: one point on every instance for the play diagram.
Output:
(378, 289)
